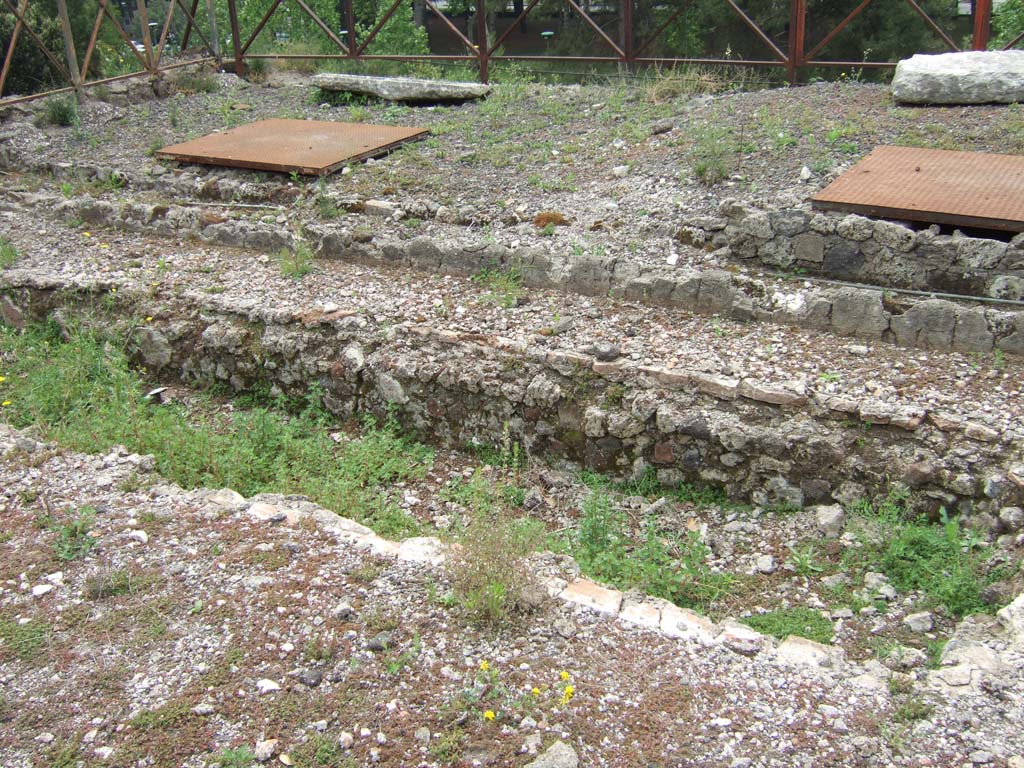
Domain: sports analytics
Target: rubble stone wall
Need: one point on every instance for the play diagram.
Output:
(852, 311)
(851, 247)
(767, 442)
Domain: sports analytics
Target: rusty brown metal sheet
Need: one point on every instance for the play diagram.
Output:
(309, 147)
(938, 186)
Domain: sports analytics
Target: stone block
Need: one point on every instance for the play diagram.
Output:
(421, 549)
(965, 77)
(809, 247)
(859, 312)
(895, 237)
(593, 596)
(688, 625)
(799, 651)
(411, 89)
(645, 613)
(757, 224)
(791, 394)
(741, 638)
(854, 227)
(722, 387)
(972, 333)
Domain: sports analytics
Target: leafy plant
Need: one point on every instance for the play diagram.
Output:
(74, 539)
(488, 570)
(804, 622)
(661, 564)
(805, 560)
(236, 757)
(940, 559)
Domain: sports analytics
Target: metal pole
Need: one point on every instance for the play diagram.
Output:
(14, 42)
(188, 24)
(211, 12)
(627, 31)
(147, 39)
(236, 38)
(481, 38)
(797, 21)
(69, 44)
(982, 24)
(350, 24)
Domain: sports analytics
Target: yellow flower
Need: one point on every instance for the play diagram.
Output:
(3, 379)
(489, 714)
(104, 245)
(535, 691)
(484, 665)
(5, 403)
(567, 694)
(87, 234)
(564, 675)
(149, 319)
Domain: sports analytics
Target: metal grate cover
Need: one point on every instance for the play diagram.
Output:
(938, 186)
(309, 147)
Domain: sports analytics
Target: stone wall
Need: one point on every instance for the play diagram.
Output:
(768, 442)
(884, 253)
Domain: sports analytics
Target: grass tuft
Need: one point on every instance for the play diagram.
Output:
(803, 622)
(8, 254)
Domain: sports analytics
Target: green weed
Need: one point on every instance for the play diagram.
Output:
(8, 254)
(659, 563)
(83, 394)
(488, 570)
(74, 539)
(236, 757)
(295, 262)
(804, 622)
(505, 286)
(940, 559)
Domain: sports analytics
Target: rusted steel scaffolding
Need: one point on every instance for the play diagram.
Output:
(794, 55)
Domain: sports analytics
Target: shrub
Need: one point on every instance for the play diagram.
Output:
(487, 569)
(61, 110)
(1007, 22)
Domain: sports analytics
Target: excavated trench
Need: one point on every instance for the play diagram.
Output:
(710, 368)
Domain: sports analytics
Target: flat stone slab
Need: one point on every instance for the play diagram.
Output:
(593, 596)
(965, 77)
(401, 88)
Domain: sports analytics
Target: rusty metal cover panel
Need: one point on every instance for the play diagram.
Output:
(939, 186)
(309, 147)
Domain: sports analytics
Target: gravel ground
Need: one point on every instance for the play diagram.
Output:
(168, 673)
(191, 628)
